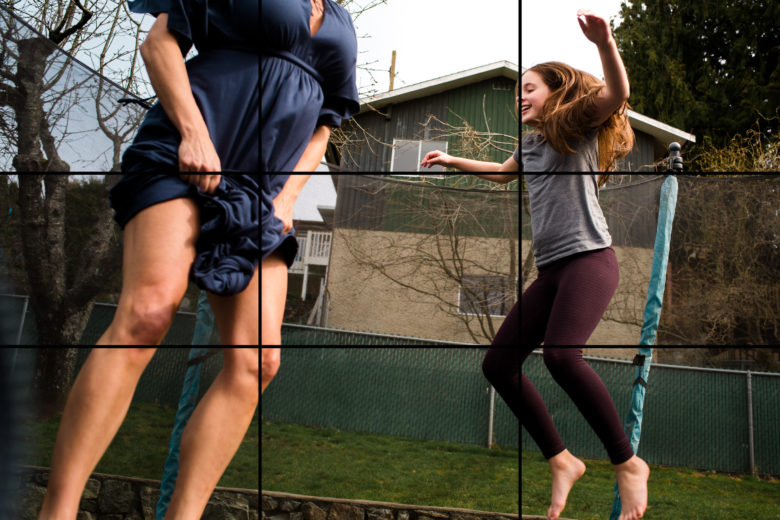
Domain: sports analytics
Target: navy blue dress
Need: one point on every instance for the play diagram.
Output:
(227, 252)
(224, 81)
(307, 81)
(273, 236)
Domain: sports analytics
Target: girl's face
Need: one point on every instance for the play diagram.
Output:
(534, 94)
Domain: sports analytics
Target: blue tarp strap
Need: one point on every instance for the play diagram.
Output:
(204, 323)
(633, 423)
(187, 402)
(663, 237)
(652, 316)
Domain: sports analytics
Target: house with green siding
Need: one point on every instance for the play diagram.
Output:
(469, 113)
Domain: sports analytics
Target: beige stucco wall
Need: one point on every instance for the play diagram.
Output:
(363, 298)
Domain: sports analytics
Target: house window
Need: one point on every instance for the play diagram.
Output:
(407, 155)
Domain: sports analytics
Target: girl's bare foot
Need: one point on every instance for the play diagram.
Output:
(632, 478)
(566, 470)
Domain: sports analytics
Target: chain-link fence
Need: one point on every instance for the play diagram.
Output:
(424, 393)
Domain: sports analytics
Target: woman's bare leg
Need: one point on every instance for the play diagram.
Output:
(274, 298)
(158, 251)
(271, 361)
(214, 432)
(236, 315)
(96, 407)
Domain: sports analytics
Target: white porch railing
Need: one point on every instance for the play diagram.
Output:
(313, 249)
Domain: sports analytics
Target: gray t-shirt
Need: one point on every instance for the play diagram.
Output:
(566, 218)
(539, 156)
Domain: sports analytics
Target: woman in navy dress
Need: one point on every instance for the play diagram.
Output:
(226, 250)
(177, 228)
(308, 77)
(206, 117)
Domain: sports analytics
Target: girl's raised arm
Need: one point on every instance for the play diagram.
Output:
(596, 29)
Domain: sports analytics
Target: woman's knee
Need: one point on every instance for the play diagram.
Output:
(271, 362)
(243, 367)
(146, 316)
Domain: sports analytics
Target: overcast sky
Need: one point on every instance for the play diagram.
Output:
(433, 38)
(550, 32)
(86, 147)
(318, 191)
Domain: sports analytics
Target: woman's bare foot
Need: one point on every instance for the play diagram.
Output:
(566, 470)
(632, 478)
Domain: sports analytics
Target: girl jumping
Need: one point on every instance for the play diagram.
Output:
(580, 121)
(578, 274)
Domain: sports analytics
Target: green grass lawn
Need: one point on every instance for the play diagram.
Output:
(334, 463)
(141, 447)
(674, 493)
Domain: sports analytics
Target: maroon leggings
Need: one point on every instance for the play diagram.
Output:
(507, 333)
(568, 298)
(587, 391)
(501, 367)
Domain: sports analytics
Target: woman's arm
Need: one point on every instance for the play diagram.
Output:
(285, 201)
(314, 151)
(165, 65)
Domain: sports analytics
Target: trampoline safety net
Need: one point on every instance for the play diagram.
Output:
(76, 101)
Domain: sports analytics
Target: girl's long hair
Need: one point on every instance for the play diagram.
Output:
(570, 107)
(603, 180)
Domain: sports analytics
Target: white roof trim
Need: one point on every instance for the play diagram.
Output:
(662, 131)
(438, 85)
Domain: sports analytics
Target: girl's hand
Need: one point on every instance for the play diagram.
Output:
(206, 183)
(594, 27)
(283, 210)
(436, 157)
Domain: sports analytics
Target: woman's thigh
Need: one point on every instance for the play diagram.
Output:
(159, 248)
(274, 296)
(236, 315)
